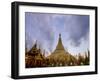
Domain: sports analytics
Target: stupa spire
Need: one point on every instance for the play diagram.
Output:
(59, 45)
(59, 35)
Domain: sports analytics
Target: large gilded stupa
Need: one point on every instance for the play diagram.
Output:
(61, 57)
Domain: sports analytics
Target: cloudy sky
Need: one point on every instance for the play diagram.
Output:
(45, 28)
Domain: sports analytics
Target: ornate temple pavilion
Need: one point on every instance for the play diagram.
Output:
(34, 57)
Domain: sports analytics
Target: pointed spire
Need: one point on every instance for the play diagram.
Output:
(35, 45)
(39, 49)
(44, 53)
(59, 45)
(59, 35)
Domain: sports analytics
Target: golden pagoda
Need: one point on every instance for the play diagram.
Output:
(60, 57)
(59, 47)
